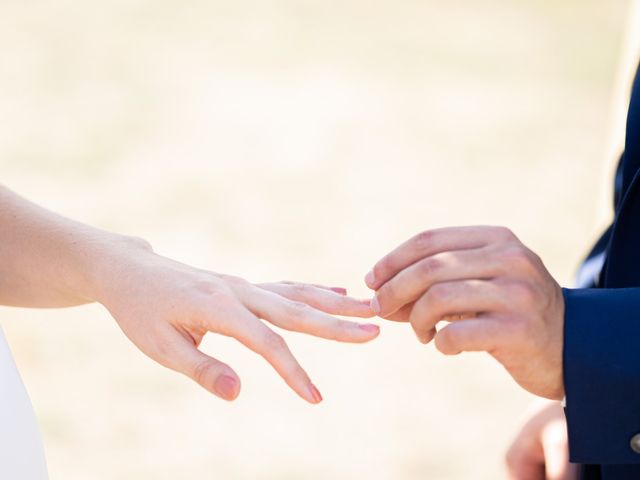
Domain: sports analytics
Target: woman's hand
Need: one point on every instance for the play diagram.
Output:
(163, 306)
(166, 307)
(540, 451)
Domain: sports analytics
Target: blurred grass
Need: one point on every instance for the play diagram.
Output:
(297, 140)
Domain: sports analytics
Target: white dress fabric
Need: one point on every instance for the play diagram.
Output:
(21, 452)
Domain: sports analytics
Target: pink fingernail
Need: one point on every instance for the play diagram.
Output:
(315, 393)
(226, 387)
(339, 290)
(369, 327)
(370, 278)
(375, 305)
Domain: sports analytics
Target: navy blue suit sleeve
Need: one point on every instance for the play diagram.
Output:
(602, 374)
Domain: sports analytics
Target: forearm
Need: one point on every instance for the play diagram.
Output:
(47, 260)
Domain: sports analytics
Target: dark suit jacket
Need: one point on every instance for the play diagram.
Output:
(602, 335)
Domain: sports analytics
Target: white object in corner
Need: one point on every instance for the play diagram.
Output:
(21, 452)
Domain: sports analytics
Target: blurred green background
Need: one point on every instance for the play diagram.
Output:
(297, 140)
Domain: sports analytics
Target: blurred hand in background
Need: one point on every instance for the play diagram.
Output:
(540, 450)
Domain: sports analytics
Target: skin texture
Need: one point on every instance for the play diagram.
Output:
(495, 292)
(163, 306)
(540, 450)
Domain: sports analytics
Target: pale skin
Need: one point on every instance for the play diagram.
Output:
(497, 294)
(481, 289)
(163, 306)
(539, 450)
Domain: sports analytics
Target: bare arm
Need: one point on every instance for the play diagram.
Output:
(47, 260)
(163, 306)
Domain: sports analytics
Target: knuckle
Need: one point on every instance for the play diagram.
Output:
(424, 239)
(432, 265)
(162, 349)
(210, 287)
(416, 321)
(235, 282)
(274, 342)
(213, 301)
(517, 252)
(204, 372)
(139, 242)
(503, 233)
(520, 258)
(302, 289)
(207, 287)
(524, 294)
(382, 267)
(297, 309)
(439, 295)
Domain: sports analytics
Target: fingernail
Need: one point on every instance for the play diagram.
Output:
(315, 393)
(369, 327)
(375, 305)
(339, 290)
(226, 387)
(370, 278)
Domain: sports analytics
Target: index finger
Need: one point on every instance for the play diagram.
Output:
(432, 242)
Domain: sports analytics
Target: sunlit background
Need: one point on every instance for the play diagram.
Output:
(302, 140)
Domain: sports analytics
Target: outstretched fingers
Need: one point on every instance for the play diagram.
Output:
(332, 300)
(300, 317)
(255, 335)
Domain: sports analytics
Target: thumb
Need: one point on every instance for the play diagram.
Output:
(183, 356)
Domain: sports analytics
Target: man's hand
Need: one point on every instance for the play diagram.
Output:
(541, 451)
(497, 294)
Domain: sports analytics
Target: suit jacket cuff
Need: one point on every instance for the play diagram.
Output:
(602, 374)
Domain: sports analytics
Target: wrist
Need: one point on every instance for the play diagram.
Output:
(106, 258)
